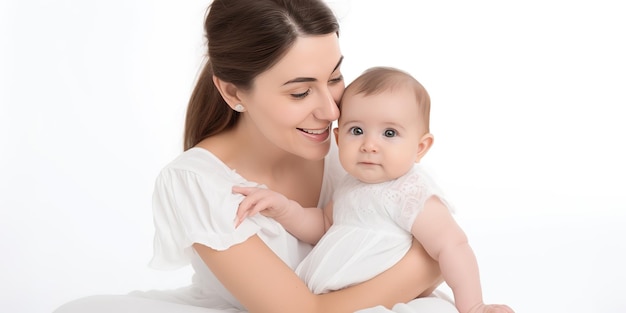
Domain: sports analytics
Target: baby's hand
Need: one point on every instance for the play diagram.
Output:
(265, 201)
(491, 308)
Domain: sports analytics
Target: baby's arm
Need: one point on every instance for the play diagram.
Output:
(306, 224)
(445, 241)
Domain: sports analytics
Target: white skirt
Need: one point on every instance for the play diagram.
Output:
(437, 303)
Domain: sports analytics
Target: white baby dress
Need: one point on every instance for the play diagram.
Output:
(371, 230)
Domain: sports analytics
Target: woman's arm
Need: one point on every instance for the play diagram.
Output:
(263, 283)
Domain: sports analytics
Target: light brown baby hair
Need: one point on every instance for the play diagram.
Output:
(376, 80)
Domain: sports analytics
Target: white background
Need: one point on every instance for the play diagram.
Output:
(528, 115)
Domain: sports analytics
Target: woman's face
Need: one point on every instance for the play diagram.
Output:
(293, 104)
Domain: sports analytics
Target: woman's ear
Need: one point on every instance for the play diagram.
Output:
(228, 91)
(425, 143)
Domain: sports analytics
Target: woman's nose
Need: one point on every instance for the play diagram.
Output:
(328, 109)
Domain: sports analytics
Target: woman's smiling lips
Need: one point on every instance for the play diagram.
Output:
(319, 135)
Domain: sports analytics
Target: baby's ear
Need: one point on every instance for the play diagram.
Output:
(425, 143)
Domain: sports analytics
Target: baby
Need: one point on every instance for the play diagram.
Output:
(385, 200)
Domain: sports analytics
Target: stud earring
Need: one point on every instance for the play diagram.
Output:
(239, 107)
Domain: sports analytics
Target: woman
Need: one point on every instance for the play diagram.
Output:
(260, 113)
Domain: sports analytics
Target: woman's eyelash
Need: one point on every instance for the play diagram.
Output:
(306, 93)
(336, 80)
(301, 95)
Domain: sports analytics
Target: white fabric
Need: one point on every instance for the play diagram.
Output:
(131, 304)
(371, 230)
(438, 302)
(193, 203)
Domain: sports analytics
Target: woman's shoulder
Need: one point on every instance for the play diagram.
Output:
(201, 163)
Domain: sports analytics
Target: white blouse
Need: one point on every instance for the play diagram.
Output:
(193, 203)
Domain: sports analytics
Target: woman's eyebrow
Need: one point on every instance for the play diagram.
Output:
(311, 79)
(338, 63)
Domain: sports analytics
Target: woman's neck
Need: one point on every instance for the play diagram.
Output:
(260, 161)
(251, 154)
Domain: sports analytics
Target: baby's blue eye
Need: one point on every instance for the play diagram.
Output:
(356, 131)
(390, 133)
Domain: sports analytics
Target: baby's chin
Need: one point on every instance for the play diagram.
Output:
(371, 179)
(374, 174)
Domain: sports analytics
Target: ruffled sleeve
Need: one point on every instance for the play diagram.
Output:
(411, 192)
(190, 207)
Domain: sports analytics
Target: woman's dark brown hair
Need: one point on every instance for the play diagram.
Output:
(245, 38)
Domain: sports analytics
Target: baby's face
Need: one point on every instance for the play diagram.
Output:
(379, 135)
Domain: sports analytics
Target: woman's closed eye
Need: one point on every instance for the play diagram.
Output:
(336, 79)
(301, 95)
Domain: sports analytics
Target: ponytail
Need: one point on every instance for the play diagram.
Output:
(245, 38)
(207, 112)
